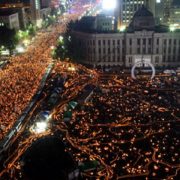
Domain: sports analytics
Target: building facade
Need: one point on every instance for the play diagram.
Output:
(101, 22)
(125, 49)
(168, 12)
(141, 42)
(166, 5)
(11, 20)
(175, 15)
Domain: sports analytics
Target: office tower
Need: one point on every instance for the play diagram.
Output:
(175, 14)
(159, 12)
(35, 11)
(166, 10)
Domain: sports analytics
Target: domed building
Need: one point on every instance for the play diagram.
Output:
(143, 20)
(141, 41)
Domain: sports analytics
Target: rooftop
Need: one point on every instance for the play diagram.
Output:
(143, 12)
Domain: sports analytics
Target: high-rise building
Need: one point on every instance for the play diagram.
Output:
(126, 8)
(175, 15)
(166, 10)
(35, 11)
(159, 11)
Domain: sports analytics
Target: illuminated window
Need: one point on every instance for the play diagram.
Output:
(37, 4)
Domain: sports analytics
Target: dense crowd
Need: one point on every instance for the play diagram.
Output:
(128, 127)
(20, 79)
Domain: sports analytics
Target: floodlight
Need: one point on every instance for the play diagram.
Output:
(172, 28)
(40, 127)
(109, 4)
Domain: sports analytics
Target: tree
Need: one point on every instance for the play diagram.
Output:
(66, 47)
(32, 30)
(61, 50)
(8, 38)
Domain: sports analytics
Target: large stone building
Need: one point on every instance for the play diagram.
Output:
(100, 22)
(142, 41)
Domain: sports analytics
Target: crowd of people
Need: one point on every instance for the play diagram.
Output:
(20, 79)
(128, 127)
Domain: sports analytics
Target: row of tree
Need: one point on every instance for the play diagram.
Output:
(9, 39)
(66, 46)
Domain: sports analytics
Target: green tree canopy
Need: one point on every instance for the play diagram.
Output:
(8, 38)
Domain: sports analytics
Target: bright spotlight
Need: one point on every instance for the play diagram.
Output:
(109, 4)
(122, 28)
(172, 28)
(40, 127)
